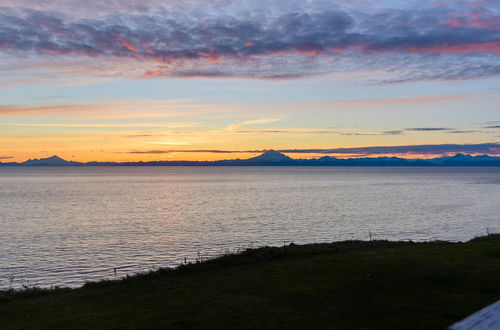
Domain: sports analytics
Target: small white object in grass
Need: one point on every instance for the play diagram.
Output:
(486, 319)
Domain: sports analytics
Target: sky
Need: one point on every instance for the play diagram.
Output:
(104, 80)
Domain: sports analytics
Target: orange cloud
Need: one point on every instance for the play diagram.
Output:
(127, 45)
(211, 56)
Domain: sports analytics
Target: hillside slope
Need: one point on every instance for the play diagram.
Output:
(344, 285)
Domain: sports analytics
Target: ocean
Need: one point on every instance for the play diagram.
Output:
(67, 225)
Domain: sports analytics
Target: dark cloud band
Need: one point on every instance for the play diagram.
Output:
(428, 129)
(432, 149)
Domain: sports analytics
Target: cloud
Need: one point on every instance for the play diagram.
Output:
(171, 143)
(134, 136)
(396, 132)
(427, 129)
(338, 132)
(431, 149)
(157, 152)
(495, 126)
(465, 132)
(69, 125)
(133, 109)
(234, 127)
(17, 110)
(268, 39)
(437, 149)
(394, 101)
(288, 131)
(6, 157)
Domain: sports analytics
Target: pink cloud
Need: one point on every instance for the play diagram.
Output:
(475, 20)
(488, 47)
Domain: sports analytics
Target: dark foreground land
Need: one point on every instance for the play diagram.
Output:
(344, 285)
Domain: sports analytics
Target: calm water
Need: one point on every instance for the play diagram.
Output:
(63, 226)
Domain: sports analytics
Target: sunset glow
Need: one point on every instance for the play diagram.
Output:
(145, 81)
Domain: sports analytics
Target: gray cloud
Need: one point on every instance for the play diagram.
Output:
(320, 132)
(364, 134)
(396, 132)
(427, 129)
(431, 149)
(465, 132)
(285, 40)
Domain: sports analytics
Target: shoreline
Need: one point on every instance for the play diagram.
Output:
(203, 258)
(323, 280)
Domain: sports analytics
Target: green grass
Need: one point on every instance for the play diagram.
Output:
(344, 285)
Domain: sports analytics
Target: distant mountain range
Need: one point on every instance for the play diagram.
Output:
(275, 158)
(52, 161)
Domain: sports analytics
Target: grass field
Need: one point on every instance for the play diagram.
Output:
(343, 285)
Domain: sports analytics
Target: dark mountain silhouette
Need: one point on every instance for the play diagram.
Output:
(270, 156)
(466, 160)
(275, 158)
(50, 161)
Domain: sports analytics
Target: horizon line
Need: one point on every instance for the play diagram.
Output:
(426, 151)
(290, 159)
